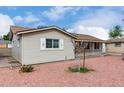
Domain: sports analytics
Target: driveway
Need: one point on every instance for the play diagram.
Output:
(109, 72)
(8, 62)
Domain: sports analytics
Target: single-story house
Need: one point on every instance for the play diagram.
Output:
(47, 44)
(115, 45)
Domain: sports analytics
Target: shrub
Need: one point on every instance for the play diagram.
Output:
(26, 68)
(73, 69)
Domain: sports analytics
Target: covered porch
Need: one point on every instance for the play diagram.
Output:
(92, 48)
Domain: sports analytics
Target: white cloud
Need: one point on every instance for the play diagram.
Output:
(29, 18)
(98, 23)
(5, 22)
(57, 13)
(11, 7)
(18, 18)
(98, 32)
(102, 18)
(38, 24)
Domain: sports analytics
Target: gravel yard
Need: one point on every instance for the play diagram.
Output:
(109, 72)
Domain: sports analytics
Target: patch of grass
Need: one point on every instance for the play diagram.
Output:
(84, 70)
(81, 70)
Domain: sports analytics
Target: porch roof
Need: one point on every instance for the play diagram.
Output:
(86, 38)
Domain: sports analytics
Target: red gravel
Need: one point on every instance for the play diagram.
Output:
(109, 71)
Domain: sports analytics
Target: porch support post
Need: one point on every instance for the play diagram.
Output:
(93, 45)
(103, 48)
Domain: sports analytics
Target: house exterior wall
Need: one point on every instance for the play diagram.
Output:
(16, 48)
(111, 48)
(32, 53)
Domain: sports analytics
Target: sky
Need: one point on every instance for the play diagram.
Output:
(96, 21)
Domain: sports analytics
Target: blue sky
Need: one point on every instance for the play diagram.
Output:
(96, 21)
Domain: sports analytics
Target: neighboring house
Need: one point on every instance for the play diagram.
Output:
(5, 43)
(47, 44)
(115, 46)
(5, 48)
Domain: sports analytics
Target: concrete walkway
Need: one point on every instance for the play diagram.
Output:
(8, 62)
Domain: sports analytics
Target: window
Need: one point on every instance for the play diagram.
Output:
(96, 45)
(55, 43)
(88, 46)
(48, 43)
(52, 43)
(118, 44)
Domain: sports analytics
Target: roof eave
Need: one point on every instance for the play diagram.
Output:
(37, 30)
(115, 42)
(89, 40)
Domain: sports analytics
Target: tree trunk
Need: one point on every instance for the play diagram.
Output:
(84, 59)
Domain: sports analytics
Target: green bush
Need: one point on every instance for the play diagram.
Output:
(81, 70)
(26, 68)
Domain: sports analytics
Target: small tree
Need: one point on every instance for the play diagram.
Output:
(116, 32)
(79, 49)
(84, 45)
(6, 37)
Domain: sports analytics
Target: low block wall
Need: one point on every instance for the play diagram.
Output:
(87, 54)
(114, 53)
(5, 52)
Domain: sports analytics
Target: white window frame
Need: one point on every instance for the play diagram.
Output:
(43, 42)
(53, 43)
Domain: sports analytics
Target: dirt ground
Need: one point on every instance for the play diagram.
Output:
(109, 72)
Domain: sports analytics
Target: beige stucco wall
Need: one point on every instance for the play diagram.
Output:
(16, 50)
(111, 48)
(31, 53)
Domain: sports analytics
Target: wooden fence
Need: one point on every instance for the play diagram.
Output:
(5, 52)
